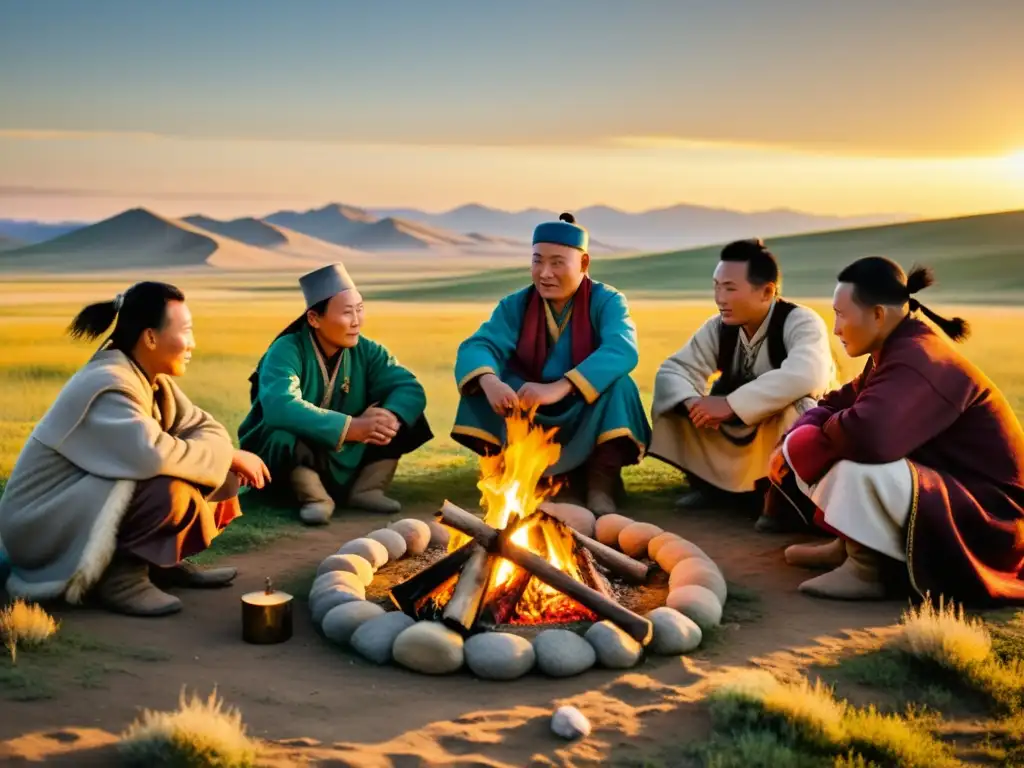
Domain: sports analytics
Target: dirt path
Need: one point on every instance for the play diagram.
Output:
(319, 704)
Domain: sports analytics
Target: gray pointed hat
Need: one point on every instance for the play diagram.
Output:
(325, 282)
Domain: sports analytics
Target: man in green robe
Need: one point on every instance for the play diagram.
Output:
(333, 411)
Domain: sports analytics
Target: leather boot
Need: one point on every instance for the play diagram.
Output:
(186, 574)
(125, 588)
(858, 578)
(601, 487)
(369, 488)
(317, 506)
(814, 556)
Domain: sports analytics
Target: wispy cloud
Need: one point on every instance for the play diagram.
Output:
(7, 191)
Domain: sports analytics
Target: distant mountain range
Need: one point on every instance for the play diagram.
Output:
(477, 226)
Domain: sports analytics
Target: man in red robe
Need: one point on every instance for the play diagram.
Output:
(919, 460)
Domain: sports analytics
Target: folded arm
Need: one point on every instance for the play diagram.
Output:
(685, 375)
(489, 348)
(394, 386)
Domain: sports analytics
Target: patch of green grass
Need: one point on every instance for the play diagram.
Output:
(889, 670)
(742, 606)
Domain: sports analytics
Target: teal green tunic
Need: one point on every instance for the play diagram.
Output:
(606, 402)
(298, 398)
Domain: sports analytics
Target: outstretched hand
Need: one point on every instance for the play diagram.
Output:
(532, 393)
(250, 469)
(501, 397)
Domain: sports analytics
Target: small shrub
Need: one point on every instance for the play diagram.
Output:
(25, 624)
(198, 733)
(944, 636)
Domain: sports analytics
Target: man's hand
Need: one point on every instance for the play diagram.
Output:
(531, 394)
(376, 426)
(709, 412)
(501, 396)
(250, 469)
(777, 466)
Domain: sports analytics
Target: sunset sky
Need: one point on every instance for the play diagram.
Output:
(235, 107)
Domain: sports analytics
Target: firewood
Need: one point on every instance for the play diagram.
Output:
(461, 611)
(635, 626)
(411, 595)
(622, 565)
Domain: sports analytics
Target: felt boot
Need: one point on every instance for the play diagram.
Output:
(125, 588)
(186, 574)
(317, 504)
(601, 488)
(368, 491)
(858, 578)
(827, 556)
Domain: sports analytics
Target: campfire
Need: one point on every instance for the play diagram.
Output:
(519, 565)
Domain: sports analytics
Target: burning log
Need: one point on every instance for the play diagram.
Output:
(637, 627)
(502, 608)
(461, 611)
(419, 596)
(622, 565)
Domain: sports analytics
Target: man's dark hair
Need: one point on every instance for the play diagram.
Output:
(878, 281)
(762, 267)
(143, 306)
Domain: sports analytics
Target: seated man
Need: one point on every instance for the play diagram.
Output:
(123, 477)
(775, 361)
(566, 345)
(332, 411)
(918, 461)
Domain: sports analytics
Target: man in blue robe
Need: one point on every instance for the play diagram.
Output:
(565, 345)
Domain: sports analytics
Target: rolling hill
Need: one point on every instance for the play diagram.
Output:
(975, 258)
(9, 243)
(262, 234)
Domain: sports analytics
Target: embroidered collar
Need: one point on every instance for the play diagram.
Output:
(556, 326)
(760, 333)
(343, 364)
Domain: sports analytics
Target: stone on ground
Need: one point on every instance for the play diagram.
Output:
(415, 532)
(615, 649)
(634, 538)
(570, 723)
(576, 517)
(374, 639)
(561, 653)
(609, 527)
(674, 633)
(439, 534)
(698, 604)
(429, 647)
(703, 573)
(499, 655)
(354, 564)
(674, 552)
(375, 553)
(655, 544)
(332, 579)
(342, 620)
(324, 601)
(393, 542)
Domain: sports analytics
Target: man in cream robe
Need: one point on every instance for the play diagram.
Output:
(119, 479)
(766, 397)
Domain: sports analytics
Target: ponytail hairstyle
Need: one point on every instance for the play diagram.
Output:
(141, 307)
(880, 281)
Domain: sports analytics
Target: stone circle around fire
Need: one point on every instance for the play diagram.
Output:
(338, 604)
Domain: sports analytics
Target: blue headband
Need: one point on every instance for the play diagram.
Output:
(562, 233)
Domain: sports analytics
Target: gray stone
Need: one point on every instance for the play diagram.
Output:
(439, 534)
(393, 542)
(499, 655)
(375, 553)
(634, 538)
(703, 573)
(674, 552)
(576, 517)
(342, 620)
(698, 604)
(430, 648)
(332, 579)
(355, 564)
(655, 544)
(609, 527)
(331, 597)
(614, 648)
(561, 653)
(570, 723)
(415, 532)
(674, 633)
(374, 639)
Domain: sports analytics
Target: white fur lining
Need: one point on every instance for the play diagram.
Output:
(98, 552)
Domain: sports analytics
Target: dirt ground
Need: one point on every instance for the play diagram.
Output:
(320, 705)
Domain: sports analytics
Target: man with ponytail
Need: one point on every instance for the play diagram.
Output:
(123, 477)
(564, 349)
(916, 467)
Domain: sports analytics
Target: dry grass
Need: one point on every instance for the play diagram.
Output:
(26, 625)
(199, 733)
(944, 635)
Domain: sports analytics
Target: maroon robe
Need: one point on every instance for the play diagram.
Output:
(925, 402)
